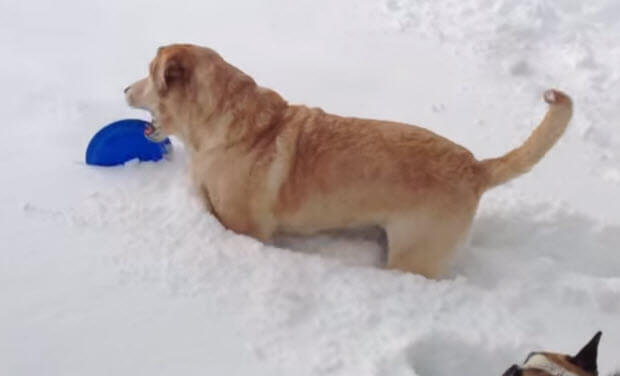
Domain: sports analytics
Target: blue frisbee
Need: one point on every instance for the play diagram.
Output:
(123, 141)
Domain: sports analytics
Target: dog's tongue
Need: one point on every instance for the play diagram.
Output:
(149, 130)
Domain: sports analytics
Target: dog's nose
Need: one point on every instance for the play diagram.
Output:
(127, 89)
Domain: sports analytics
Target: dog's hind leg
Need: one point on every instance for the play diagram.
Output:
(425, 245)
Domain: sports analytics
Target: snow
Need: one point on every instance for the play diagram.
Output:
(118, 271)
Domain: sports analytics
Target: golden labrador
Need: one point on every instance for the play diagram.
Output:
(264, 166)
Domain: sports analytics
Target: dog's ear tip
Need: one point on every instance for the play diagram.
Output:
(587, 356)
(596, 339)
(599, 334)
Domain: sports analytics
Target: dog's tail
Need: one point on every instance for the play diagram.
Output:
(522, 159)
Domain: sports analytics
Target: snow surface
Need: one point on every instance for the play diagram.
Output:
(117, 271)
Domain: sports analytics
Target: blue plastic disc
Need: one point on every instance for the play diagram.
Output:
(123, 141)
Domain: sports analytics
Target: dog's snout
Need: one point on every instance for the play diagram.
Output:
(127, 89)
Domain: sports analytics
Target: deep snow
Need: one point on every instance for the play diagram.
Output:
(117, 271)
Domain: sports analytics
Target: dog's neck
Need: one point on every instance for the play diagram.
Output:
(228, 127)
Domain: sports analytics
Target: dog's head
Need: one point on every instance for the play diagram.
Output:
(551, 364)
(187, 85)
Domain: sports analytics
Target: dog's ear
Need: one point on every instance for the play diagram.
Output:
(174, 68)
(513, 371)
(586, 358)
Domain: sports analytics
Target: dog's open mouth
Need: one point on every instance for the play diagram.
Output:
(153, 133)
